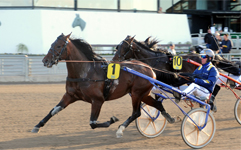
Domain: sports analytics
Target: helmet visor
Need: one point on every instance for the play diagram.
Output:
(204, 56)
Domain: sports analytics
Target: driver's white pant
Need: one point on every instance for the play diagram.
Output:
(197, 90)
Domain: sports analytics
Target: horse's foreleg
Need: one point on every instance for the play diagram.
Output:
(65, 101)
(135, 114)
(95, 111)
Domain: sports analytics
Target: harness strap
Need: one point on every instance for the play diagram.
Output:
(159, 59)
(82, 80)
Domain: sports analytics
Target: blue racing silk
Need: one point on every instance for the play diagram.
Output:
(208, 76)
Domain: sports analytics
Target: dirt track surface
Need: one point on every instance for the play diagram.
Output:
(24, 105)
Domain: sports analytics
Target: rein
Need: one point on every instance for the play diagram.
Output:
(87, 79)
(82, 80)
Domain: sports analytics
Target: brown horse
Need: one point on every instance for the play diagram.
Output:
(86, 81)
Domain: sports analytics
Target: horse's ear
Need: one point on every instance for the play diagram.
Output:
(68, 35)
(132, 38)
(147, 40)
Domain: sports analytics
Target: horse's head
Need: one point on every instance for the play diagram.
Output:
(124, 49)
(57, 51)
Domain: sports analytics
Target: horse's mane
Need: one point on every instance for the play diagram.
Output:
(142, 45)
(86, 48)
(151, 44)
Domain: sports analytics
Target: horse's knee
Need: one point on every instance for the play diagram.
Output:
(56, 109)
(93, 124)
(137, 114)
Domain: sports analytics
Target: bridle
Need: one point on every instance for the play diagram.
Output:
(57, 57)
(130, 48)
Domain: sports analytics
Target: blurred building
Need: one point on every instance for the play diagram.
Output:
(201, 13)
(31, 26)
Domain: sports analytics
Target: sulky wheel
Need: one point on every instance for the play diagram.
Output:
(237, 110)
(191, 135)
(151, 123)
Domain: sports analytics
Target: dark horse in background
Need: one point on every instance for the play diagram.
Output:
(86, 81)
(161, 62)
(147, 52)
(159, 59)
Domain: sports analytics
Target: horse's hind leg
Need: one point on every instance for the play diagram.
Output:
(135, 114)
(65, 101)
(95, 111)
(158, 105)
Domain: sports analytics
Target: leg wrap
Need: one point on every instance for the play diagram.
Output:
(93, 124)
(56, 109)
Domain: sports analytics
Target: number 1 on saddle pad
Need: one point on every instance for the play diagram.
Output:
(177, 62)
(113, 71)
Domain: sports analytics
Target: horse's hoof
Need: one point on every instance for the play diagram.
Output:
(114, 119)
(168, 117)
(35, 130)
(214, 108)
(119, 132)
(177, 119)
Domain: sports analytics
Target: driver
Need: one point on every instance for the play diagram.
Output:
(206, 77)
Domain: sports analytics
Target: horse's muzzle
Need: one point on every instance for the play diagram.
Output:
(47, 63)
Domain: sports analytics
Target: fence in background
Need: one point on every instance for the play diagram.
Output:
(111, 49)
(23, 68)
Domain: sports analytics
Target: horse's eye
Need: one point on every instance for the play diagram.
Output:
(58, 46)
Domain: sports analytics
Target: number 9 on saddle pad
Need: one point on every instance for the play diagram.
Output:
(113, 71)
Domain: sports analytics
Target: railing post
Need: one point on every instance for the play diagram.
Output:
(237, 42)
(75, 5)
(27, 67)
(2, 62)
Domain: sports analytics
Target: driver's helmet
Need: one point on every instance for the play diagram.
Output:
(207, 52)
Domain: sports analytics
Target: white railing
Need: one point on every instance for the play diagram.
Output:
(23, 68)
